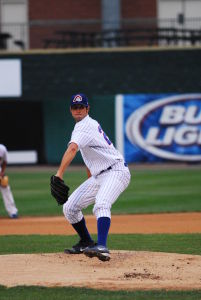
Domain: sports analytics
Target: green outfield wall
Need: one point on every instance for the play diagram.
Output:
(50, 78)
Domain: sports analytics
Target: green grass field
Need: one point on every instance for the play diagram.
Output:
(42, 293)
(172, 243)
(149, 192)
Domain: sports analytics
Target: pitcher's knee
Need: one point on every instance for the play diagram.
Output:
(101, 210)
(71, 213)
(68, 211)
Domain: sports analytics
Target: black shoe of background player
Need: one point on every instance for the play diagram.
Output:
(79, 247)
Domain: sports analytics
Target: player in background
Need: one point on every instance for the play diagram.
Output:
(6, 192)
(108, 177)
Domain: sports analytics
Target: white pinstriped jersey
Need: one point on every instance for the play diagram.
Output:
(96, 149)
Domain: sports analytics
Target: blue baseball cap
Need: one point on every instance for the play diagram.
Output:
(79, 99)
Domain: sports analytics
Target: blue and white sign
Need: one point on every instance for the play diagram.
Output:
(159, 127)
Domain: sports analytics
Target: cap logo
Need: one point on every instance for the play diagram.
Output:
(77, 98)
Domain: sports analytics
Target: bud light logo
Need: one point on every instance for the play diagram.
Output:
(168, 128)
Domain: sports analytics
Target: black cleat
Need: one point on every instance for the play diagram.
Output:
(98, 251)
(79, 247)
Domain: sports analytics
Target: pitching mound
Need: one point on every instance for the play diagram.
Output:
(127, 270)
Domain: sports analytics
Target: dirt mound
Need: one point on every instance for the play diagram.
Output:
(127, 270)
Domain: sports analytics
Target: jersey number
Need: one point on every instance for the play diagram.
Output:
(104, 135)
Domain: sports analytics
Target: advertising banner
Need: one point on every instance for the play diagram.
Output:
(162, 127)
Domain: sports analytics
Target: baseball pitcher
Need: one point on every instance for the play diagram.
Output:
(108, 177)
(5, 189)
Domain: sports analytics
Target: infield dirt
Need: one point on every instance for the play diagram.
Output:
(143, 223)
(128, 270)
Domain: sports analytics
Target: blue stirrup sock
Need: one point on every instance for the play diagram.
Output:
(82, 230)
(103, 224)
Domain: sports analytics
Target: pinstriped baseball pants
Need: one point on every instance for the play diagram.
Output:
(102, 190)
(8, 200)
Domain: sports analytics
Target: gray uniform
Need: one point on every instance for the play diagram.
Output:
(6, 192)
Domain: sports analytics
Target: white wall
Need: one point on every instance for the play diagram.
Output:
(14, 19)
(170, 9)
(10, 78)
